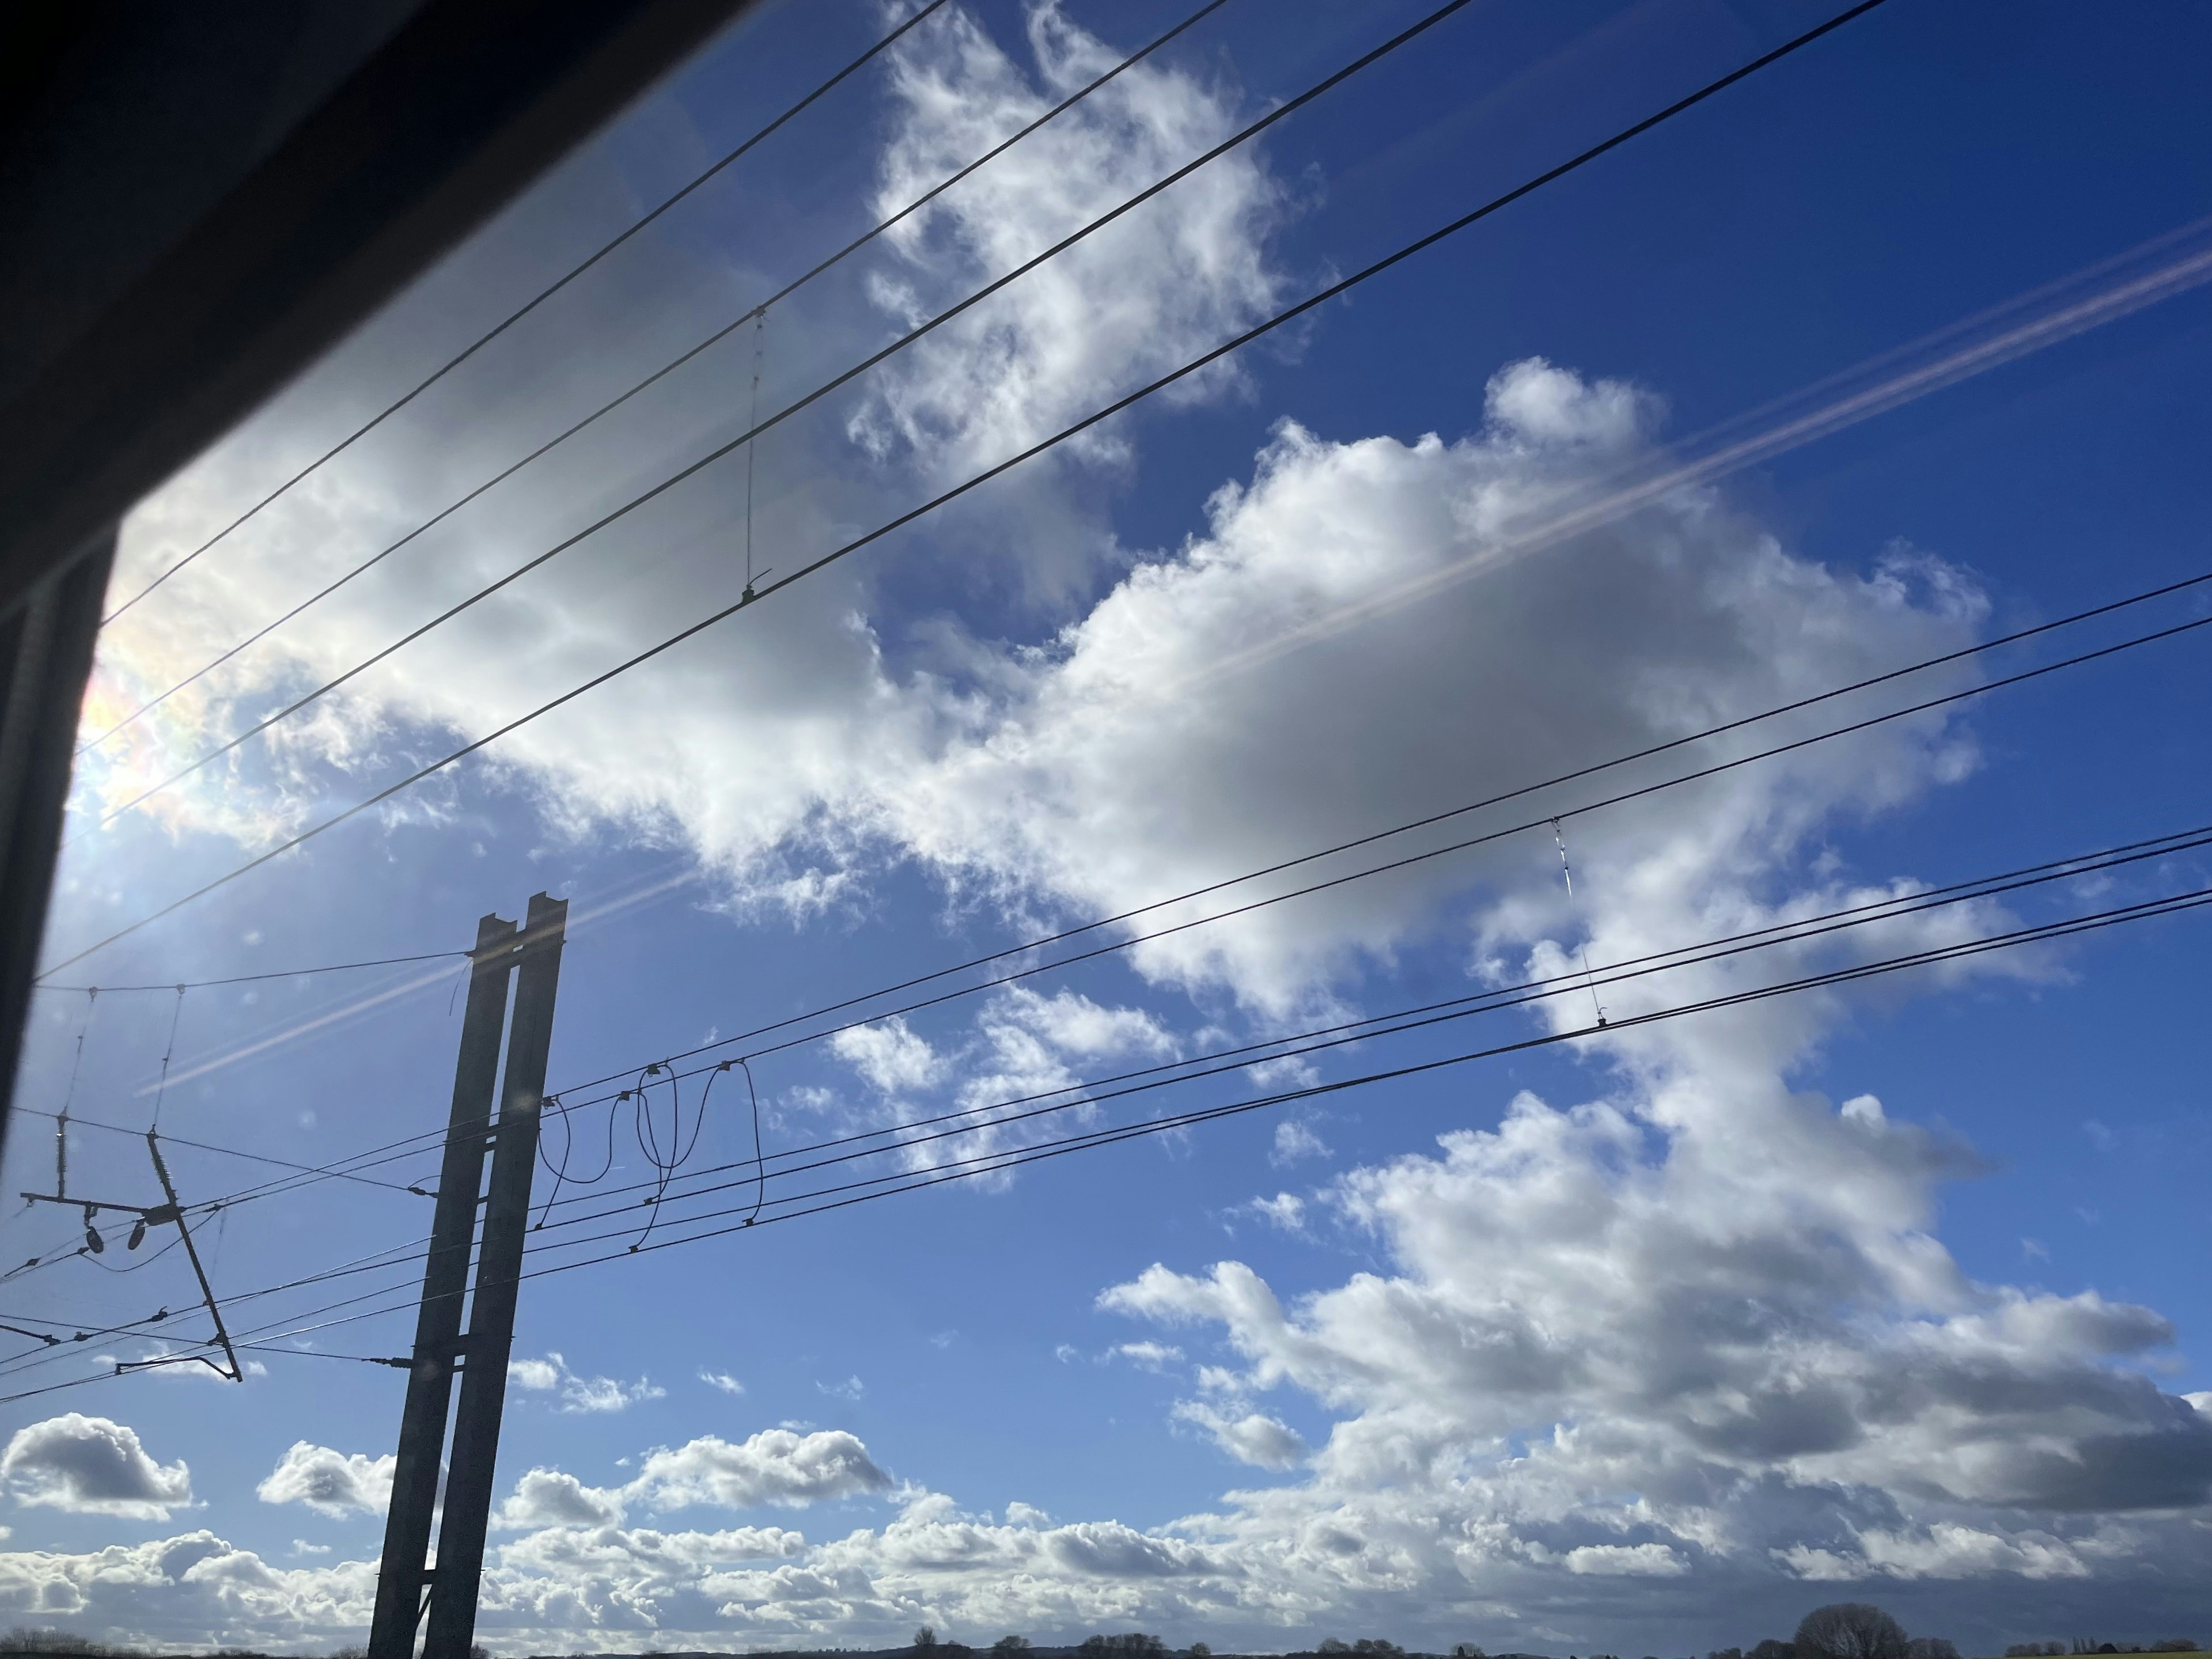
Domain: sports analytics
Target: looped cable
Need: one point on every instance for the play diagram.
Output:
(560, 1173)
(760, 1166)
(678, 1152)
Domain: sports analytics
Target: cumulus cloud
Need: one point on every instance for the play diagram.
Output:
(807, 711)
(1294, 1138)
(1715, 1294)
(1021, 1046)
(1250, 1437)
(775, 1466)
(1142, 296)
(1231, 750)
(536, 1375)
(1150, 1355)
(332, 1483)
(893, 1059)
(580, 1394)
(1696, 1327)
(551, 1497)
(1626, 1560)
(92, 1466)
(1285, 1210)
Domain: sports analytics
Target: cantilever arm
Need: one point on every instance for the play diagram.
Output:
(207, 1291)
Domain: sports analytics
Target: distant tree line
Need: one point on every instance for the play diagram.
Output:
(1844, 1630)
(1857, 1629)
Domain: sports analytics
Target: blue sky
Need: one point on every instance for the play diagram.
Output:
(1643, 1344)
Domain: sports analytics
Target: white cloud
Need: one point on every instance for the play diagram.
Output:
(1294, 1138)
(1174, 277)
(1150, 1355)
(1626, 1561)
(722, 1381)
(550, 1497)
(1249, 1436)
(91, 1465)
(537, 1375)
(893, 1059)
(1945, 1550)
(1696, 1326)
(1021, 1046)
(775, 1466)
(332, 1483)
(580, 1394)
(1285, 1210)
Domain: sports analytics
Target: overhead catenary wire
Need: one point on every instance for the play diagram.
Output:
(328, 1171)
(1496, 999)
(423, 1140)
(254, 979)
(974, 481)
(747, 438)
(163, 1089)
(529, 305)
(1793, 930)
(1619, 798)
(758, 315)
(987, 1163)
(69, 1097)
(309, 1174)
(1016, 1157)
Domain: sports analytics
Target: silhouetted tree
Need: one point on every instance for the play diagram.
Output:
(925, 1639)
(1932, 1647)
(1849, 1630)
(1467, 1650)
(1010, 1647)
(1771, 1648)
(1132, 1645)
(1199, 1650)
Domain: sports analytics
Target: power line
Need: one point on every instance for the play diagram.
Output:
(517, 315)
(1194, 365)
(364, 1159)
(755, 315)
(1015, 1158)
(1488, 836)
(252, 979)
(233, 1152)
(1794, 931)
(745, 438)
